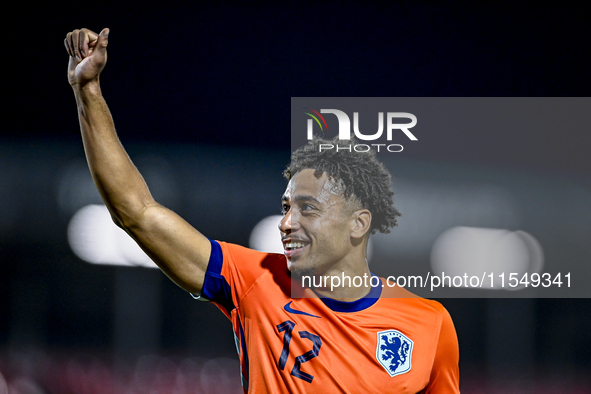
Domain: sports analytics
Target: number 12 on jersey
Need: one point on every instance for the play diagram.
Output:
(287, 327)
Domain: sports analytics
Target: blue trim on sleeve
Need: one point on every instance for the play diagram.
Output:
(216, 258)
(215, 286)
(355, 306)
(245, 374)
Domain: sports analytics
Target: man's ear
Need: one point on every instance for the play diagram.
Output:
(360, 223)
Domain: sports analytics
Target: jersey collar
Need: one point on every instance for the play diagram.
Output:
(354, 306)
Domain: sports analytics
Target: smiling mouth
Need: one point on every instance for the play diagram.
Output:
(292, 249)
(294, 245)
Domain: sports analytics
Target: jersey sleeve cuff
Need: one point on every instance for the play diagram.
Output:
(215, 285)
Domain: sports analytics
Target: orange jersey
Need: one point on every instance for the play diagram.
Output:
(388, 342)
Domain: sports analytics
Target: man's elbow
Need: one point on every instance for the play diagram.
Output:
(116, 220)
(142, 217)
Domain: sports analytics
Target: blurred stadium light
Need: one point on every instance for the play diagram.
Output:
(265, 235)
(94, 238)
(431, 207)
(485, 254)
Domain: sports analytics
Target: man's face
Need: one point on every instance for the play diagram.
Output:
(315, 226)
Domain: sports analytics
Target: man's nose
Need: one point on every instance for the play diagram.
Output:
(287, 225)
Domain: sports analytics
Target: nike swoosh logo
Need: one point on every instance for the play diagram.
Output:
(289, 309)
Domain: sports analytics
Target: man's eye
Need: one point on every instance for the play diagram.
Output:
(307, 207)
(284, 209)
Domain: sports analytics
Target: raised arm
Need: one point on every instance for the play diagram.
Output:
(178, 249)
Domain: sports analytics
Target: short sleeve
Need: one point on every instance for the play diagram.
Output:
(445, 374)
(232, 270)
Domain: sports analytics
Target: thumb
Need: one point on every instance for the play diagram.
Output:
(102, 41)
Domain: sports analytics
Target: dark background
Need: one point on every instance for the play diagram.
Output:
(220, 76)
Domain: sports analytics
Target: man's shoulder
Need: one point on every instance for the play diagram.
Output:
(243, 254)
(252, 265)
(407, 302)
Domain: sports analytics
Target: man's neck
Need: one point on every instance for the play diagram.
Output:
(344, 284)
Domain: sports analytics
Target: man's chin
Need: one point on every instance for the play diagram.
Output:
(299, 270)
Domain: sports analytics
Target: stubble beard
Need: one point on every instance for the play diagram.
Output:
(299, 271)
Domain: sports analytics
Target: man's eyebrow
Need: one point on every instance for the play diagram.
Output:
(305, 197)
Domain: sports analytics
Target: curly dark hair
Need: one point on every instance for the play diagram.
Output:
(360, 174)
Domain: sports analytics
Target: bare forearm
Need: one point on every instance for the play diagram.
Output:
(120, 184)
(179, 250)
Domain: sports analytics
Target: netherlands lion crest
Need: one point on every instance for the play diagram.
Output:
(394, 352)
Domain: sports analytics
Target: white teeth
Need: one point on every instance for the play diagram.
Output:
(294, 245)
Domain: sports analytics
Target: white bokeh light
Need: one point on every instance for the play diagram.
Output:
(94, 238)
(474, 251)
(265, 235)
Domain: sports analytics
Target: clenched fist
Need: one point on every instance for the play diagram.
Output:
(88, 55)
